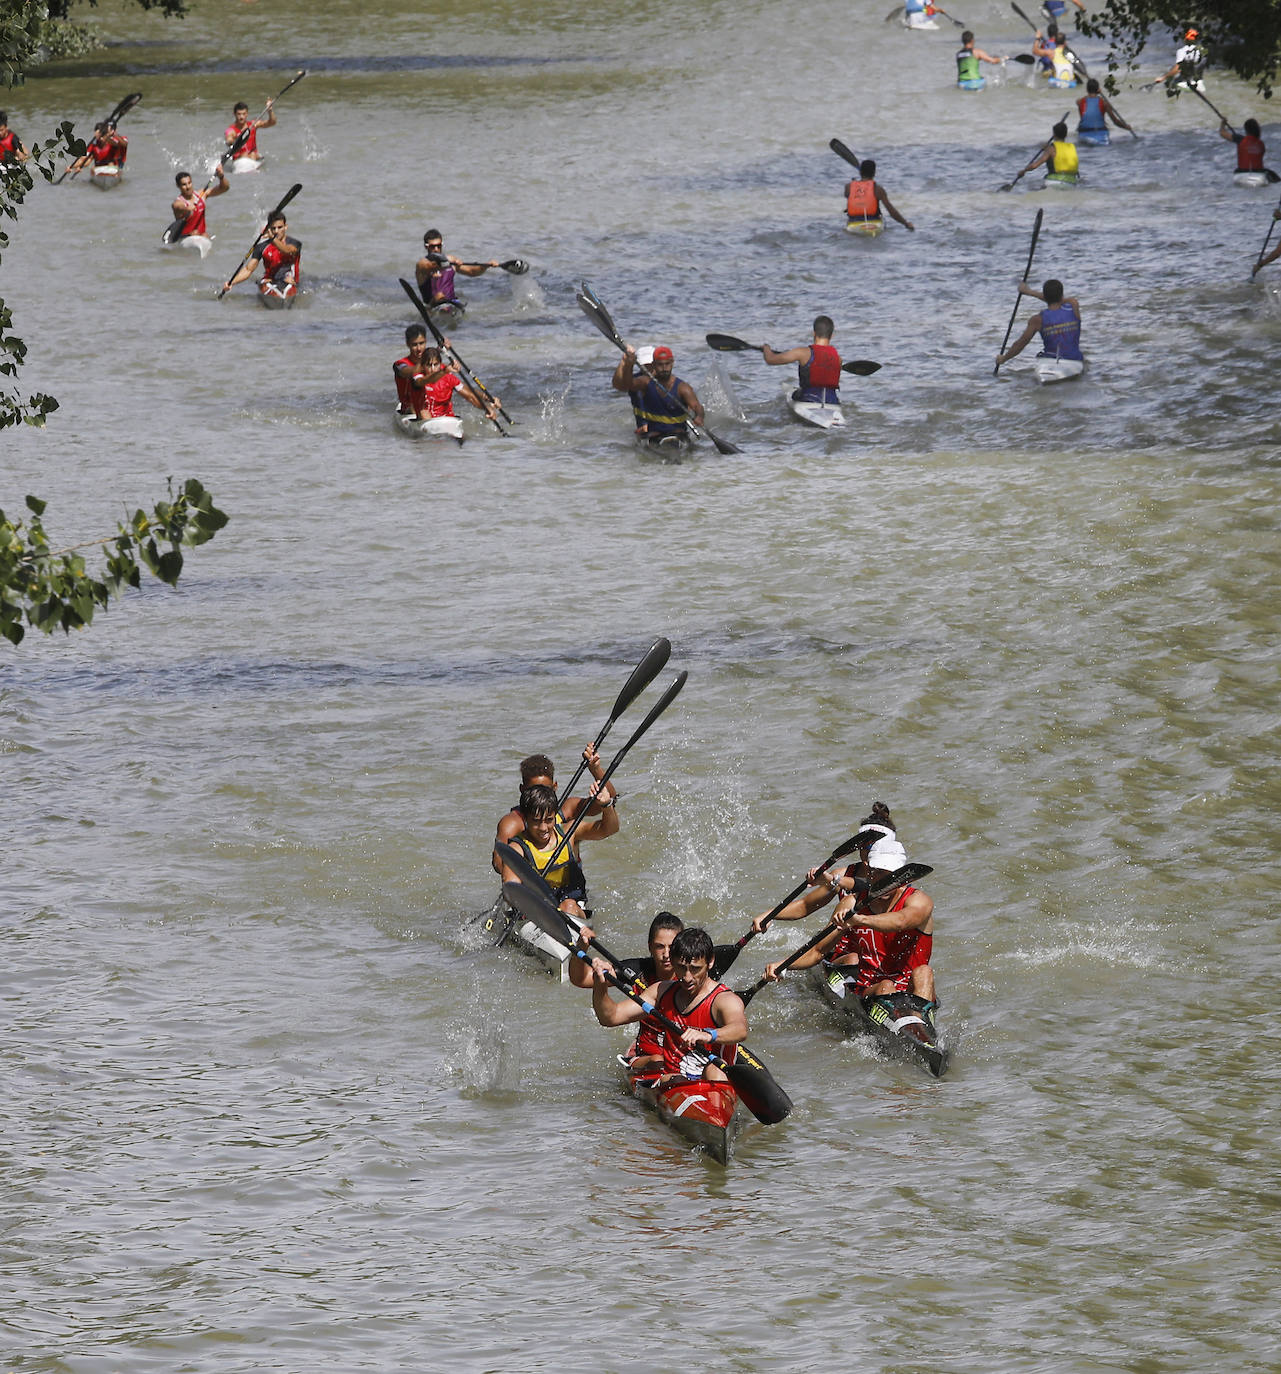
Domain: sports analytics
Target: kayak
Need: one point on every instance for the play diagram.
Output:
(670, 446)
(1063, 180)
(1249, 178)
(820, 414)
(277, 295)
(895, 1022)
(1051, 369)
(195, 243)
(443, 427)
(245, 164)
(505, 927)
(974, 84)
(920, 20)
(107, 177)
(1096, 138)
(1057, 83)
(706, 1114)
(865, 228)
(448, 312)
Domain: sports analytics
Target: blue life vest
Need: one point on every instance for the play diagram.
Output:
(1061, 332)
(1092, 114)
(660, 410)
(1054, 8)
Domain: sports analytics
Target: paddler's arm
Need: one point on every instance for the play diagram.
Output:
(884, 200)
(603, 825)
(222, 183)
(596, 804)
(1019, 344)
(473, 269)
(582, 973)
(1039, 160)
(690, 401)
(511, 825)
(917, 913)
(790, 355)
(731, 1024)
(807, 960)
(270, 121)
(620, 1013)
(624, 378)
(804, 905)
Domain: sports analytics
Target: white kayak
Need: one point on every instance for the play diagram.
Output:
(107, 177)
(1050, 369)
(443, 427)
(276, 295)
(865, 228)
(920, 20)
(1062, 181)
(245, 164)
(191, 243)
(819, 414)
(1249, 178)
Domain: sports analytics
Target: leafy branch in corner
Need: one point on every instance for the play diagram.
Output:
(52, 588)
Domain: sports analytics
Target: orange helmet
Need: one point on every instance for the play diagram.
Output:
(1191, 33)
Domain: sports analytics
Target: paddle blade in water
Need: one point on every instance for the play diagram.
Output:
(754, 1083)
(535, 907)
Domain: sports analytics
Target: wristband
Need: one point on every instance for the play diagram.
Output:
(713, 1033)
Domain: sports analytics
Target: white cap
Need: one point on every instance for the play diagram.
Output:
(873, 829)
(887, 854)
(645, 355)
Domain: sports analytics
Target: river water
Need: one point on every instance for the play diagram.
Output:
(272, 1104)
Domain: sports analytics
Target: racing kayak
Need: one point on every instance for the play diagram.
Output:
(195, 243)
(1249, 178)
(1051, 369)
(448, 312)
(245, 164)
(1096, 138)
(507, 927)
(895, 1022)
(708, 1115)
(672, 447)
(107, 177)
(865, 228)
(277, 295)
(819, 414)
(1063, 180)
(443, 427)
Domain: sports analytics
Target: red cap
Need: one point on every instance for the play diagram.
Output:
(663, 354)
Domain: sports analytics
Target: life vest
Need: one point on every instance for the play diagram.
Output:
(699, 1016)
(250, 146)
(1054, 8)
(1061, 332)
(565, 877)
(1062, 69)
(967, 65)
(1250, 151)
(194, 224)
(1194, 55)
(1091, 111)
(438, 397)
(440, 285)
(1065, 161)
(405, 397)
(278, 265)
(862, 202)
(822, 373)
(9, 147)
(660, 409)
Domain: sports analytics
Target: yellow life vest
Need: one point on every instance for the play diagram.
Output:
(1063, 69)
(1065, 160)
(559, 872)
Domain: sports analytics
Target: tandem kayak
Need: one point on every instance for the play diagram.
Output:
(865, 228)
(443, 427)
(819, 414)
(107, 177)
(895, 1022)
(507, 927)
(708, 1115)
(1051, 369)
(277, 295)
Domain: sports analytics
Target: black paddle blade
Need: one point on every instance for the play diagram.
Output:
(519, 863)
(535, 907)
(516, 266)
(1024, 58)
(861, 367)
(727, 343)
(643, 674)
(285, 199)
(754, 1083)
(722, 957)
(841, 150)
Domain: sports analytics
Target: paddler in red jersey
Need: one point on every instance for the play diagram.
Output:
(190, 204)
(108, 149)
(818, 365)
(538, 770)
(887, 939)
(279, 254)
(431, 391)
(712, 1018)
(241, 122)
(11, 149)
(864, 198)
(1250, 146)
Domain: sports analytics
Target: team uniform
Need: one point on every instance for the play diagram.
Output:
(968, 76)
(820, 377)
(676, 1054)
(884, 954)
(565, 877)
(1093, 126)
(278, 266)
(660, 410)
(1193, 55)
(108, 150)
(9, 148)
(1250, 152)
(1064, 164)
(194, 225)
(1062, 70)
(1061, 333)
(249, 148)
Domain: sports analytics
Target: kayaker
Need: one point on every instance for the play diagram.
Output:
(541, 843)
(1095, 110)
(435, 270)
(435, 392)
(918, 14)
(279, 253)
(1056, 9)
(107, 148)
(968, 57)
(1059, 324)
(712, 1017)
(663, 929)
(1058, 157)
(538, 771)
(1062, 64)
(1043, 50)
(241, 122)
(12, 151)
(818, 364)
(661, 399)
(864, 197)
(1189, 64)
(889, 937)
(1275, 253)
(1250, 146)
(190, 204)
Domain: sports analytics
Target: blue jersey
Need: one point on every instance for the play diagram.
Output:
(1061, 332)
(660, 410)
(1092, 113)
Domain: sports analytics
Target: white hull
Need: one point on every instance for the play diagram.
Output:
(445, 427)
(1249, 178)
(865, 228)
(245, 164)
(106, 178)
(193, 243)
(816, 413)
(1058, 369)
(920, 21)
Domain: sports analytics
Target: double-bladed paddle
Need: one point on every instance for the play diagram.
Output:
(466, 373)
(841, 150)
(284, 200)
(1049, 143)
(290, 86)
(111, 121)
(516, 266)
(727, 343)
(840, 852)
(909, 873)
(1031, 253)
(929, 9)
(642, 675)
(1272, 224)
(590, 304)
(753, 1082)
(174, 231)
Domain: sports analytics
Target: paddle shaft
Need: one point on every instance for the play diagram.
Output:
(727, 343)
(285, 199)
(593, 308)
(468, 375)
(1272, 224)
(1031, 253)
(267, 108)
(642, 675)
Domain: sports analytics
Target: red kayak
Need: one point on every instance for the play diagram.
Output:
(706, 1114)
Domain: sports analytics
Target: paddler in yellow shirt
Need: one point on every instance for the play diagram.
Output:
(1058, 157)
